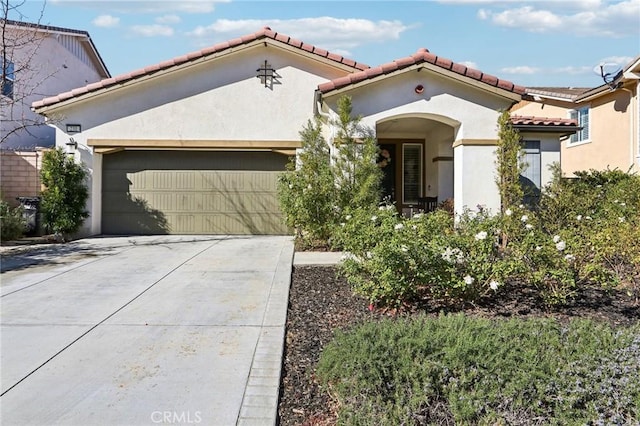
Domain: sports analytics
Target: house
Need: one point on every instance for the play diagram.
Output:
(609, 117)
(38, 61)
(195, 144)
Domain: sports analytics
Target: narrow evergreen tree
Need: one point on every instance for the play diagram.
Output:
(509, 163)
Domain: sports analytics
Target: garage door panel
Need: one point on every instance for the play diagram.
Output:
(164, 192)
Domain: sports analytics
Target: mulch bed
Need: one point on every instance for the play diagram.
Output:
(320, 302)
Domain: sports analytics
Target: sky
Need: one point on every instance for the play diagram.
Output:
(531, 43)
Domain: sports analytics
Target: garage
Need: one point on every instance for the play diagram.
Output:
(192, 192)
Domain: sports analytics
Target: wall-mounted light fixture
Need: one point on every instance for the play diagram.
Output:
(72, 145)
(419, 89)
(74, 128)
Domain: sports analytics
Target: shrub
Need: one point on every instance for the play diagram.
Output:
(393, 260)
(459, 370)
(319, 187)
(65, 195)
(12, 222)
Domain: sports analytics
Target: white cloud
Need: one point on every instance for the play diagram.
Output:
(150, 6)
(586, 18)
(168, 19)
(572, 70)
(106, 21)
(521, 69)
(334, 34)
(622, 61)
(469, 64)
(152, 30)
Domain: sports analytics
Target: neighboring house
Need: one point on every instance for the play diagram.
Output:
(38, 61)
(195, 144)
(608, 115)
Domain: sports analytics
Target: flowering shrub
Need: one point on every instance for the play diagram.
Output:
(392, 260)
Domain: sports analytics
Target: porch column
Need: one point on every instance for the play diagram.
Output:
(474, 175)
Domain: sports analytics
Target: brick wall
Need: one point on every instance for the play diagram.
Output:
(20, 174)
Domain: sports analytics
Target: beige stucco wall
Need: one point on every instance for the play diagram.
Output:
(222, 100)
(469, 113)
(613, 132)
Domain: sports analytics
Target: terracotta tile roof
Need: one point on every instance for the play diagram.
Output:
(421, 56)
(519, 120)
(265, 32)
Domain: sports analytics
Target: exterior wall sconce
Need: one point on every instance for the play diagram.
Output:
(419, 89)
(74, 128)
(72, 145)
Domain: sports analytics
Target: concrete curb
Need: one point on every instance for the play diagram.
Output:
(260, 401)
(310, 258)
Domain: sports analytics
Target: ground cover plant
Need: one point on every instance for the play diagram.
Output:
(322, 304)
(11, 221)
(477, 371)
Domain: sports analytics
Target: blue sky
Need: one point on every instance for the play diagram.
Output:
(532, 43)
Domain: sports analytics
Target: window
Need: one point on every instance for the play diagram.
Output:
(531, 177)
(582, 116)
(411, 172)
(8, 78)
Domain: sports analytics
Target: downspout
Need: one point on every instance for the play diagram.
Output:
(317, 106)
(631, 120)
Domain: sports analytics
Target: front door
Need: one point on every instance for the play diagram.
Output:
(402, 165)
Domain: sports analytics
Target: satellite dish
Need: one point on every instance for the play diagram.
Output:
(608, 72)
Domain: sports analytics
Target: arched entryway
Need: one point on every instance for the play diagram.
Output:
(416, 158)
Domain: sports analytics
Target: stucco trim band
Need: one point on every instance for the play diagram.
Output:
(475, 142)
(436, 159)
(100, 144)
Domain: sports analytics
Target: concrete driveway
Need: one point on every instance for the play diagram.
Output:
(144, 330)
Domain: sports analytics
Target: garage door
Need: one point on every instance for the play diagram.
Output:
(191, 192)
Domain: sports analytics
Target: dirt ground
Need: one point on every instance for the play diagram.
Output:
(320, 302)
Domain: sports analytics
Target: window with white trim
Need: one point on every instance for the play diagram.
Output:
(8, 78)
(581, 115)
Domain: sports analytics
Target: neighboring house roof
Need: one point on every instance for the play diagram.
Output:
(265, 33)
(579, 94)
(421, 56)
(101, 67)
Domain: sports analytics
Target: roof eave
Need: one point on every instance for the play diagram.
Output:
(431, 67)
(533, 128)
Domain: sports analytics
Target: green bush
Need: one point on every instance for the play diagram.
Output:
(318, 186)
(65, 195)
(11, 221)
(456, 369)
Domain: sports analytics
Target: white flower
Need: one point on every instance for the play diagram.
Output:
(369, 255)
(621, 219)
(398, 226)
(309, 186)
(556, 238)
(521, 206)
(468, 279)
(417, 215)
(561, 245)
(453, 255)
(348, 217)
(290, 186)
(570, 258)
(481, 235)
(623, 204)
(529, 226)
(508, 212)
(524, 218)
(342, 224)
(579, 217)
(404, 248)
(538, 248)
(382, 208)
(588, 217)
(493, 285)
(414, 227)
(374, 218)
